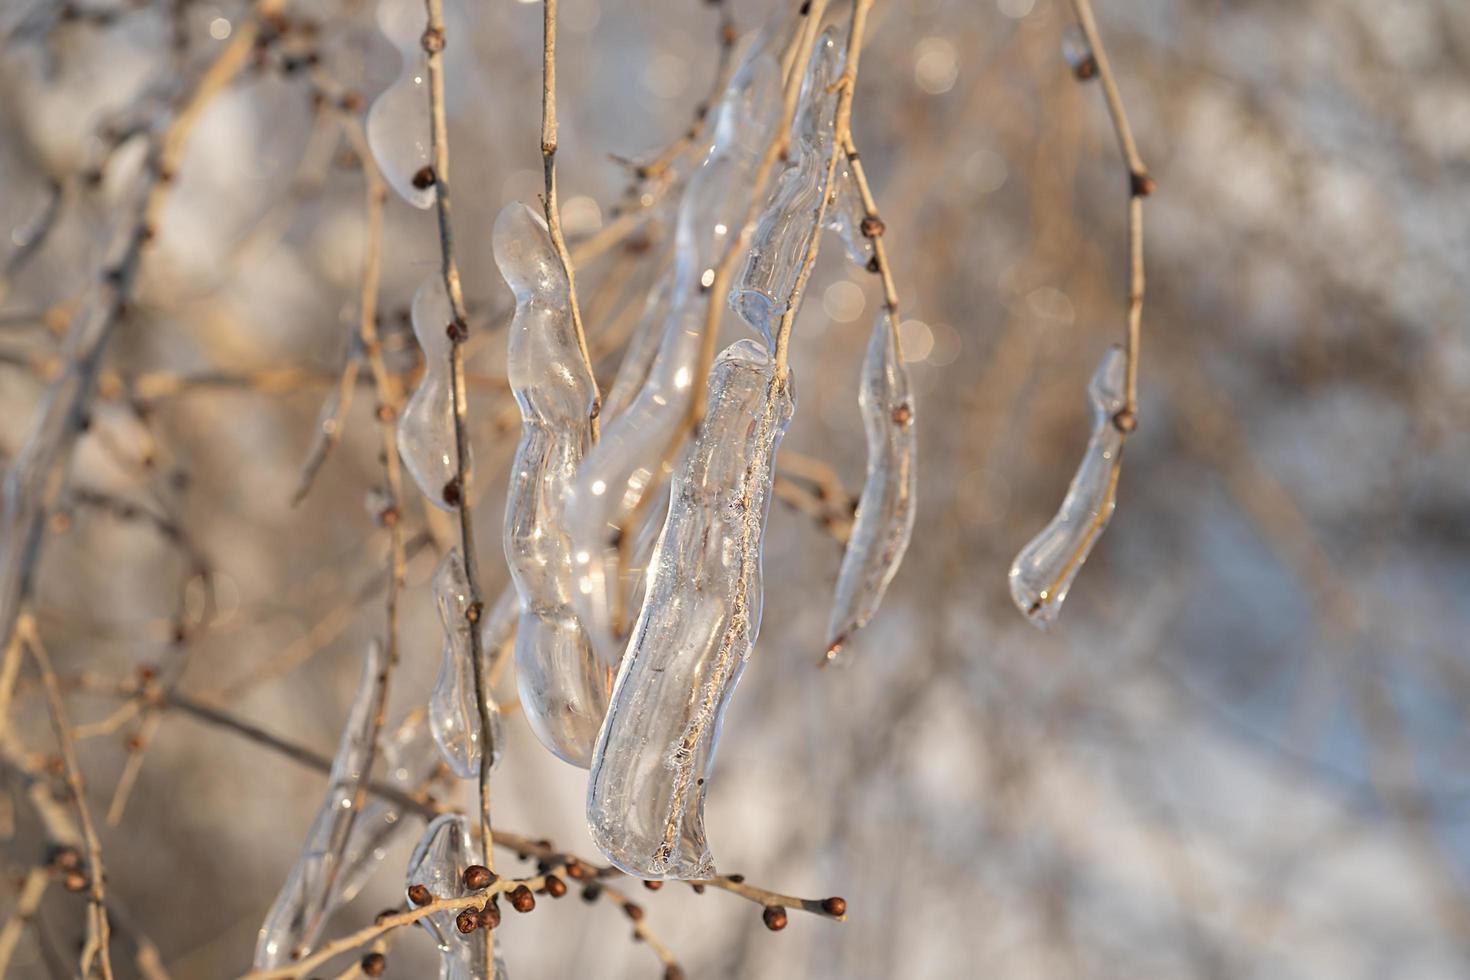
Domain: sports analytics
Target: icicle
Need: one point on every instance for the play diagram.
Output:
(454, 714)
(643, 346)
(307, 898)
(699, 620)
(562, 686)
(845, 216)
(398, 130)
(1043, 571)
(426, 427)
(783, 235)
(885, 514)
(620, 470)
(409, 758)
(438, 864)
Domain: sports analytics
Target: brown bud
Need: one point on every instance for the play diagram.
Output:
(419, 895)
(836, 905)
(592, 893)
(386, 913)
(1086, 69)
(738, 879)
(133, 742)
(373, 964)
(424, 178)
(386, 412)
(467, 921)
(872, 227)
(555, 887)
(903, 415)
(65, 857)
(1141, 184)
(451, 492)
(351, 101)
(653, 886)
(522, 900)
(775, 918)
(477, 877)
(579, 870)
(433, 40)
(633, 911)
(457, 331)
(873, 265)
(1125, 421)
(698, 889)
(74, 881)
(673, 972)
(490, 915)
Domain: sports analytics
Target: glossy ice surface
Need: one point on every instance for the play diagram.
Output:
(1043, 571)
(454, 714)
(312, 890)
(398, 130)
(426, 427)
(562, 686)
(885, 514)
(698, 623)
(629, 461)
(763, 288)
(438, 863)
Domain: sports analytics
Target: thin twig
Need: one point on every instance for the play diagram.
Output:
(98, 946)
(553, 212)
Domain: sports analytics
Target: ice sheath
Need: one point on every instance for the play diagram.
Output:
(454, 710)
(628, 463)
(562, 686)
(438, 863)
(699, 620)
(1043, 571)
(312, 888)
(885, 514)
(426, 427)
(398, 130)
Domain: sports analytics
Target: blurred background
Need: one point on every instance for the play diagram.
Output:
(1242, 751)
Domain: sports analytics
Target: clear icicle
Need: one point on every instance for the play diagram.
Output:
(643, 346)
(454, 714)
(845, 216)
(699, 621)
(783, 235)
(619, 471)
(1043, 571)
(409, 758)
(398, 130)
(308, 896)
(561, 684)
(885, 514)
(438, 863)
(426, 427)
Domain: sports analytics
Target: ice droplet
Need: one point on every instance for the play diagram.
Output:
(398, 128)
(426, 428)
(454, 714)
(1043, 571)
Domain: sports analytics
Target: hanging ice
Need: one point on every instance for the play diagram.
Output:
(1043, 571)
(562, 686)
(885, 514)
(628, 461)
(308, 896)
(398, 130)
(699, 620)
(409, 758)
(438, 864)
(454, 714)
(845, 216)
(643, 345)
(763, 288)
(426, 427)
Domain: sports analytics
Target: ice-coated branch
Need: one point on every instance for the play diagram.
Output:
(698, 624)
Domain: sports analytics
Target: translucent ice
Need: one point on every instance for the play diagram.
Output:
(398, 129)
(426, 427)
(562, 686)
(627, 462)
(885, 514)
(699, 620)
(784, 233)
(1043, 571)
(311, 889)
(845, 216)
(438, 863)
(454, 714)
